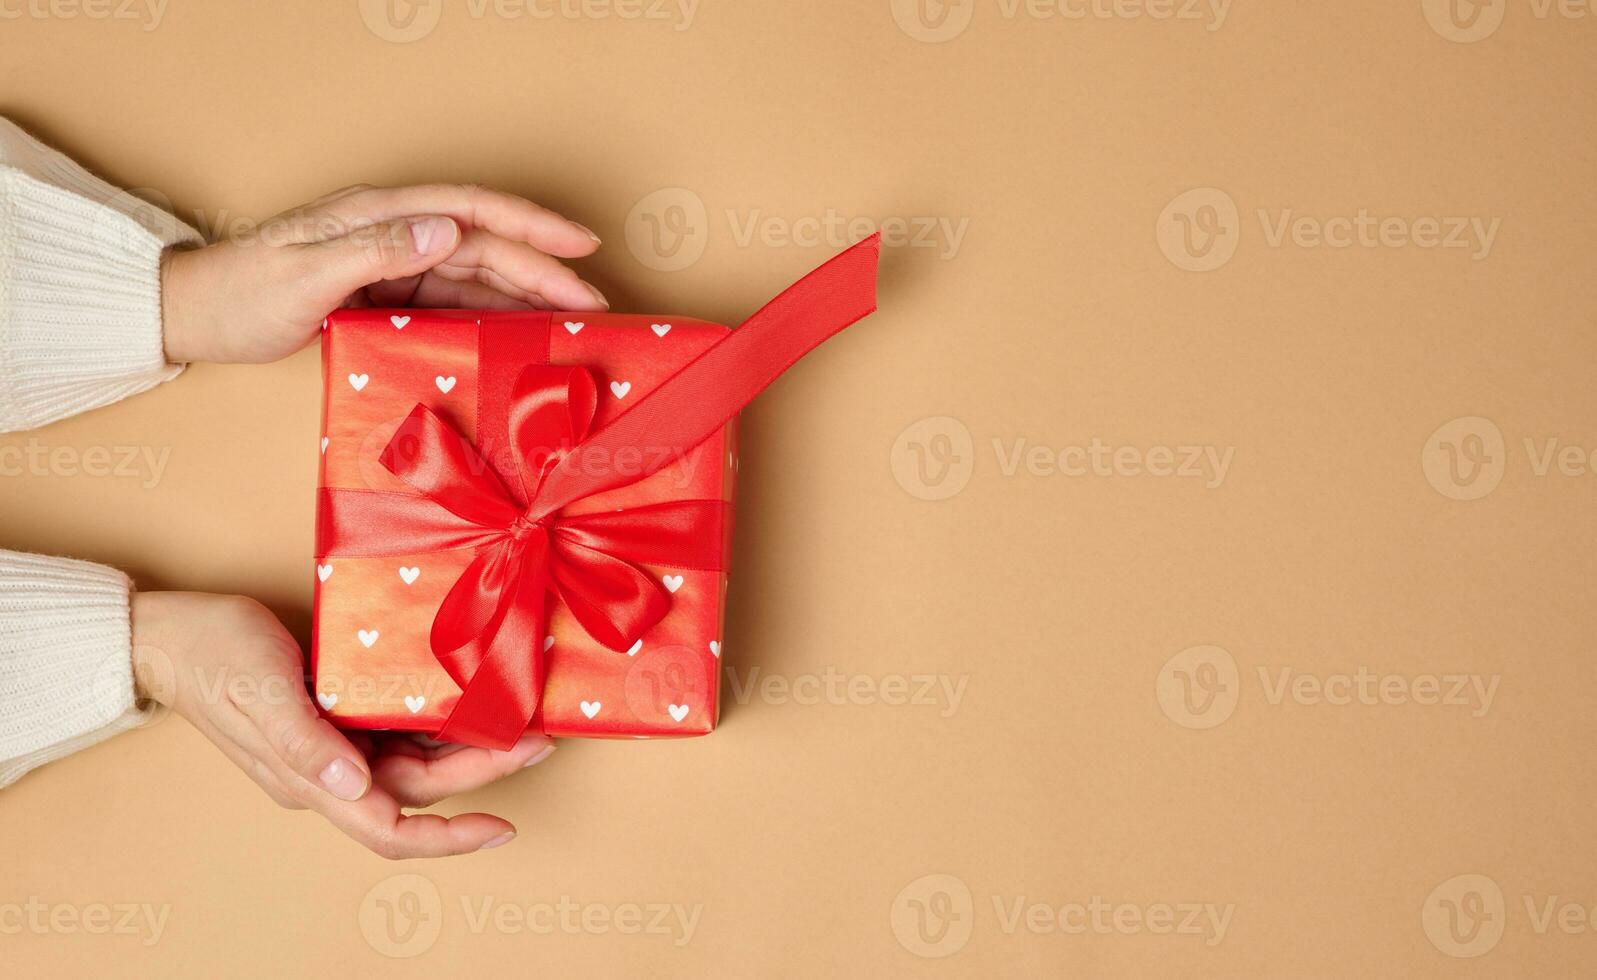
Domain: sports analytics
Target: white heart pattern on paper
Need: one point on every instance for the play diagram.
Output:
(715, 649)
(409, 574)
(323, 571)
(326, 700)
(399, 321)
(358, 381)
(548, 642)
(660, 329)
(574, 328)
(324, 445)
(445, 385)
(415, 702)
(636, 646)
(367, 638)
(678, 711)
(591, 708)
(671, 582)
(620, 388)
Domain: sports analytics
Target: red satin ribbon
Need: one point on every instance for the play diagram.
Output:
(488, 633)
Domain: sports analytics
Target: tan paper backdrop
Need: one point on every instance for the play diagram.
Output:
(1187, 573)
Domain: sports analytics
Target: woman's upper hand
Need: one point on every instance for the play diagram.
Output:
(262, 297)
(228, 666)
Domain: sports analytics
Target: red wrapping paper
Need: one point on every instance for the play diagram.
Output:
(490, 478)
(668, 687)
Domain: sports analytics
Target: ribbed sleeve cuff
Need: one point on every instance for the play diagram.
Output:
(80, 287)
(66, 674)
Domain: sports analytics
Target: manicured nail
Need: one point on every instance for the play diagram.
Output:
(503, 838)
(588, 231)
(539, 756)
(597, 295)
(431, 234)
(344, 780)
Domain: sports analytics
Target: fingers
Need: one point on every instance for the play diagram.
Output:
(439, 293)
(506, 215)
(418, 777)
(389, 250)
(377, 822)
(520, 271)
(307, 745)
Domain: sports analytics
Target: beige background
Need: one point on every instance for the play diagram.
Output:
(1088, 755)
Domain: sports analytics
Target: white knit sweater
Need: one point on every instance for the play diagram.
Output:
(80, 327)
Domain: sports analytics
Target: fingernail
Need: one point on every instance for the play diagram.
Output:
(597, 295)
(539, 756)
(503, 838)
(588, 231)
(343, 780)
(431, 234)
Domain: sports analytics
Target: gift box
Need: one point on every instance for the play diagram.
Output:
(525, 518)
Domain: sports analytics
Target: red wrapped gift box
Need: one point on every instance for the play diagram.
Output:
(524, 519)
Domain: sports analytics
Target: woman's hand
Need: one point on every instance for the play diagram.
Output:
(227, 665)
(262, 297)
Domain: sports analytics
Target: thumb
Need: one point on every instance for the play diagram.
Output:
(385, 250)
(309, 745)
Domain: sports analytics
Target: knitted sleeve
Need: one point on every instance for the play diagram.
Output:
(80, 286)
(80, 327)
(66, 676)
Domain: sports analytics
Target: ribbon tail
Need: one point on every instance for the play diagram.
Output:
(499, 699)
(714, 387)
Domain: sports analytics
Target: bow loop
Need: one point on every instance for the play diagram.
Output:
(551, 410)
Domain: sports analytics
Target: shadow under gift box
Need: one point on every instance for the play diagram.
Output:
(371, 656)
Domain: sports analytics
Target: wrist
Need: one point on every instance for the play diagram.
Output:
(180, 307)
(152, 619)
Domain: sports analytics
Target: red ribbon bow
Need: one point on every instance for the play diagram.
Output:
(488, 632)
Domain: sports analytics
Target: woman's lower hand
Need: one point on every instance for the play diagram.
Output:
(263, 297)
(227, 665)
